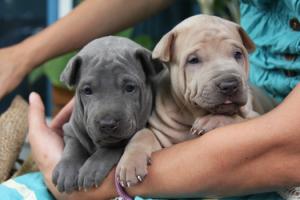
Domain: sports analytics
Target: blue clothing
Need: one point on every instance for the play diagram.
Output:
(274, 27)
(32, 187)
(27, 187)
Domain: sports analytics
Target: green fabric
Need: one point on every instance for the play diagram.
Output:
(267, 23)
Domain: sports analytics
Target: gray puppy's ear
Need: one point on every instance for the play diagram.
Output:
(70, 75)
(163, 49)
(150, 66)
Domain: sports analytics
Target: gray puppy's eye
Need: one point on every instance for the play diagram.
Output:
(193, 60)
(87, 90)
(130, 88)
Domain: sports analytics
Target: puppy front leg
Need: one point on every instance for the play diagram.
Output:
(96, 168)
(247, 111)
(207, 123)
(132, 166)
(65, 174)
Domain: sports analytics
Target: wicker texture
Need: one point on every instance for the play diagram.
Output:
(13, 128)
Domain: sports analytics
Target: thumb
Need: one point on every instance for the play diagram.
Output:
(36, 115)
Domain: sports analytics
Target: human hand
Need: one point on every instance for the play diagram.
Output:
(47, 147)
(46, 141)
(15, 63)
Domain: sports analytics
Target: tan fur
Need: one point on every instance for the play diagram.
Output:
(181, 103)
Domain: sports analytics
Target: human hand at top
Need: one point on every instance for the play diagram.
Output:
(15, 63)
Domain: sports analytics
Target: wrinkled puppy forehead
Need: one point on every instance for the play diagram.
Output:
(202, 28)
(111, 52)
(112, 66)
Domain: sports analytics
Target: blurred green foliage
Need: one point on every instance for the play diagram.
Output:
(53, 68)
(228, 9)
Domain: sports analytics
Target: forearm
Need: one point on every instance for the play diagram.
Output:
(89, 20)
(258, 155)
(254, 156)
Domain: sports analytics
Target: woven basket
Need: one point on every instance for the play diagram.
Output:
(13, 129)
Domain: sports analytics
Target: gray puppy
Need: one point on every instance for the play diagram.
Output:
(113, 100)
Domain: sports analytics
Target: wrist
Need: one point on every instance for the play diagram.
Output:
(32, 53)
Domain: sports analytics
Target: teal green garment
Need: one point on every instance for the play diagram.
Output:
(27, 187)
(267, 23)
(31, 186)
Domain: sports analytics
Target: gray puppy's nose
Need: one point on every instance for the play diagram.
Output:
(228, 86)
(108, 125)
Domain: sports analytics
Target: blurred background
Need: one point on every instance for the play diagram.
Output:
(21, 19)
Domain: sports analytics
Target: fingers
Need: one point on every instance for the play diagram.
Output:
(36, 119)
(46, 144)
(63, 116)
(36, 115)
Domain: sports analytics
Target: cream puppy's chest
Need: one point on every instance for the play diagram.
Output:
(171, 122)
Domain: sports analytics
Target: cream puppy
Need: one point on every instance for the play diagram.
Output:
(205, 87)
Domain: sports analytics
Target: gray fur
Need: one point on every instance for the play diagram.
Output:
(103, 122)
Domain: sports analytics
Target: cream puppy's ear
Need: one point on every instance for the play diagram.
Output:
(248, 43)
(163, 49)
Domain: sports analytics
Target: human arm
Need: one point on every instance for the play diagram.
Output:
(254, 156)
(89, 20)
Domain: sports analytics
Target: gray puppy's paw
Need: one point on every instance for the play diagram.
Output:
(207, 123)
(91, 174)
(65, 176)
(132, 168)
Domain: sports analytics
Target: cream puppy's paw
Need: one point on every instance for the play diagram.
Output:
(207, 123)
(132, 167)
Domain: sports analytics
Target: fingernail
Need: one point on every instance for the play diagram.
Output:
(31, 97)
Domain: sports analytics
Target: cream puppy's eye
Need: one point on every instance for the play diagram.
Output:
(193, 60)
(237, 55)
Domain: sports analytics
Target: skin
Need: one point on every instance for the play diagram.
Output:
(191, 89)
(91, 19)
(265, 158)
(271, 161)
